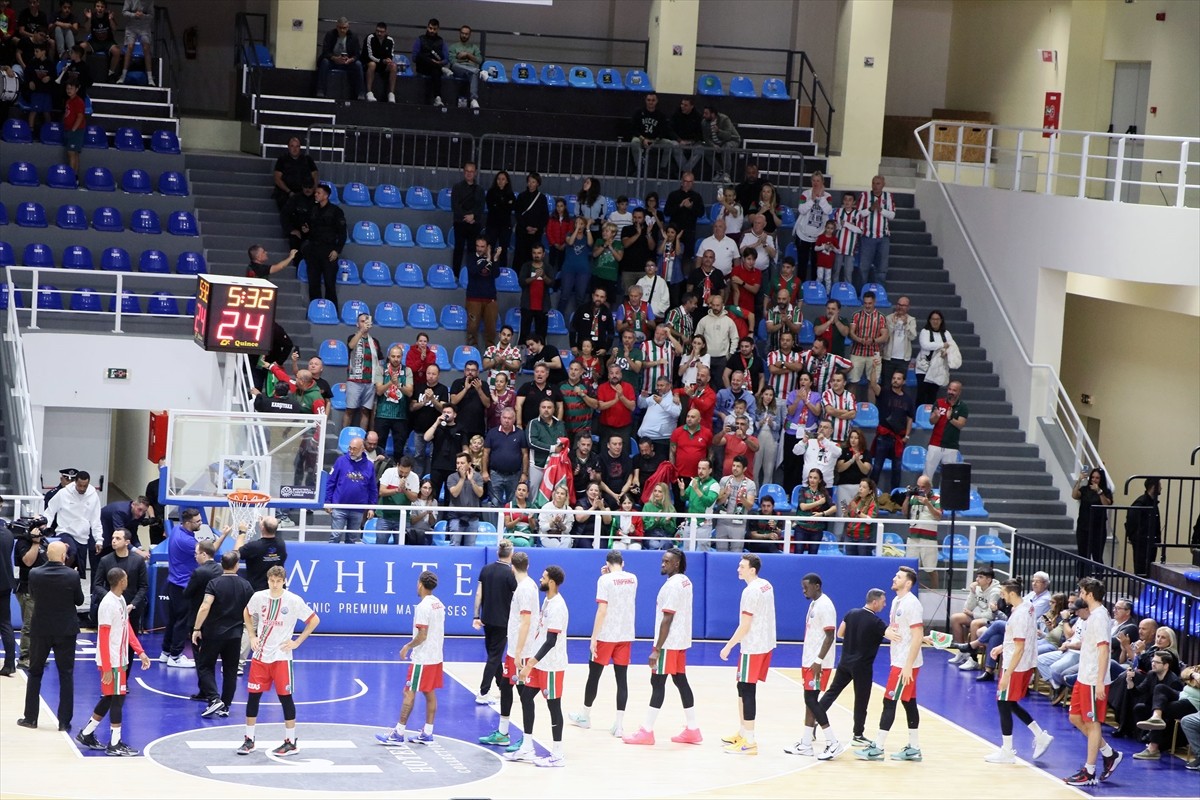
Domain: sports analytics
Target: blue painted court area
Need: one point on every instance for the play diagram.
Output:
(349, 687)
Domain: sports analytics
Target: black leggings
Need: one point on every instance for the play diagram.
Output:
(494, 638)
(593, 684)
(556, 719)
(658, 690)
(1007, 709)
(506, 696)
(889, 714)
(528, 696)
(285, 700)
(748, 692)
(111, 706)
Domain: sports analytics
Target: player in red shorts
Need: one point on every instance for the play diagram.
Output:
(906, 630)
(1089, 699)
(816, 667)
(612, 637)
(756, 635)
(545, 670)
(425, 672)
(271, 644)
(1019, 650)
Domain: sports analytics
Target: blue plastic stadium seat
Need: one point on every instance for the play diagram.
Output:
(581, 78)
(388, 196)
(61, 176)
(709, 85)
(71, 218)
(867, 417)
(49, 298)
(173, 184)
(22, 173)
(636, 80)
(85, 299)
(162, 303)
(397, 234)
(525, 73)
(99, 179)
(190, 263)
(52, 134)
(347, 274)
(154, 261)
(441, 276)
(464, 354)
(441, 356)
(77, 256)
(38, 255)
(356, 194)
(463, 278)
(741, 86)
(430, 237)
(976, 510)
(6, 255)
(454, 317)
(960, 548)
(366, 233)
(31, 215)
(421, 316)
(376, 273)
(609, 78)
(507, 281)
(787, 218)
(844, 293)
(881, 298)
(921, 421)
(829, 545)
(302, 271)
(775, 89)
(913, 459)
(334, 353)
(990, 548)
(555, 323)
(129, 140)
(553, 75)
(408, 276)
(144, 220)
(806, 334)
(334, 197)
(351, 309)
(814, 293)
(95, 138)
(444, 203)
(136, 181)
(339, 399)
(404, 67)
(182, 223)
(116, 259)
(497, 72)
(164, 141)
(322, 312)
(349, 432)
(3, 214)
(512, 318)
(17, 131)
(779, 495)
(389, 315)
(107, 218)
(129, 303)
(419, 198)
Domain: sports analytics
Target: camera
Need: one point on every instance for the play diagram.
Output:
(28, 528)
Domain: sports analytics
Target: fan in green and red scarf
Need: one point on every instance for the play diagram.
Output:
(558, 470)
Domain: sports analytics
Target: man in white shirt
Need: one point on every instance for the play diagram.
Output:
(1089, 699)
(76, 512)
(425, 671)
(816, 663)
(725, 249)
(820, 452)
(756, 635)
(661, 418)
(546, 670)
(721, 334)
(612, 638)
(655, 289)
(897, 350)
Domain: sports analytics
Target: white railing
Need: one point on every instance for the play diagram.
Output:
(1058, 405)
(27, 466)
(1084, 164)
(25, 505)
(26, 283)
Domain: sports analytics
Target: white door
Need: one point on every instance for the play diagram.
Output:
(1131, 98)
(77, 438)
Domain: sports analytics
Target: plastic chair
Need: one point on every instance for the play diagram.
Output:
(190, 263)
(52, 134)
(3, 214)
(486, 535)
(95, 138)
(356, 194)
(49, 298)
(155, 262)
(463, 278)
(844, 293)
(867, 417)
(136, 181)
(443, 200)
(173, 184)
(164, 141)
(921, 421)
(351, 310)
(85, 299)
(389, 315)
(408, 276)
(777, 493)
(438, 536)
(960, 548)
(77, 256)
(565, 356)
(814, 293)
(913, 459)
(349, 432)
(741, 86)
(441, 276)
(430, 237)
(302, 271)
(107, 218)
(454, 317)
(507, 281)
(775, 89)
(334, 196)
(441, 357)
(366, 233)
(71, 218)
(334, 353)
(496, 72)
(31, 215)
(556, 323)
(976, 510)
(61, 176)
(17, 131)
(525, 74)
(553, 75)
(129, 303)
(182, 223)
(512, 318)
(893, 538)
(404, 67)
(144, 220)
(419, 198)
(162, 304)
(6, 255)
(610, 78)
(421, 316)
(38, 255)
(22, 173)
(829, 545)
(322, 312)
(116, 259)
(807, 334)
(464, 354)
(376, 273)
(388, 196)
(709, 85)
(881, 298)
(397, 234)
(368, 531)
(129, 140)
(581, 78)
(339, 397)
(99, 179)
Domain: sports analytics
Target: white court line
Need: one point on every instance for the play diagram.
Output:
(309, 744)
(512, 723)
(298, 768)
(47, 712)
(362, 689)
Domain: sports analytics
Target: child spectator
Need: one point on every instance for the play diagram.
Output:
(848, 232)
(621, 216)
(74, 124)
(38, 83)
(65, 27)
(826, 248)
(76, 67)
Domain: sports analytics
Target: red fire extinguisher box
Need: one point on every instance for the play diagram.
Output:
(156, 449)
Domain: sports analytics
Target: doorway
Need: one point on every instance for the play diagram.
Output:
(1131, 97)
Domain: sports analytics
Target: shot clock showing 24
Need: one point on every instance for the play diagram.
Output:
(234, 315)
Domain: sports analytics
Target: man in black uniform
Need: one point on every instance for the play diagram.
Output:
(193, 593)
(295, 213)
(1143, 527)
(65, 478)
(137, 585)
(290, 172)
(7, 584)
(326, 232)
(493, 597)
(466, 203)
(56, 594)
(217, 633)
(29, 551)
(861, 633)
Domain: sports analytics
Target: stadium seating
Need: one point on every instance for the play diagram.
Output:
(182, 223)
(38, 255)
(610, 78)
(17, 131)
(553, 75)
(339, 397)
(525, 74)
(351, 309)
(419, 198)
(61, 176)
(162, 303)
(496, 72)
(464, 354)
(94, 138)
(408, 276)
(129, 303)
(85, 299)
(441, 356)
(107, 218)
(507, 281)
(376, 273)
(116, 259)
(444, 203)
(347, 274)
(441, 276)
(844, 293)
(144, 220)
(430, 237)
(581, 78)
(31, 215)
(556, 324)
(349, 432)
(71, 218)
(3, 214)
(397, 234)
(913, 459)
(154, 261)
(356, 194)
(322, 312)
(776, 493)
(389, 315)
(190, 263)
(741, 86)
(136, 181)
(636, 80)
(129, 140)
(454, 317)
(49, 298)
(165, 141)
(366, 233)
(77, 257)
(867, 416)
(881, 298)
(22, 173)
(6, 255)
(99, 179)
(421, 316)
(922, 422)
(173, 184)
(52, 134)
(334, 353)
(814, 293)
(807, 334)
(388, 196)
(775, 89)
(709, 85)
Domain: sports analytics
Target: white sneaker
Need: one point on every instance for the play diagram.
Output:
(182, 662)
(122, 78)
(475, 105)
(580, 720)
(1040, 744)
(526, 755)
(1001, 756)
(551, 761)
(449, 73)
(164, 658)
(832, 750)
(370, 97)
(391, 97)
(150, 80)
(799, 749)
(958, 659)
(617, 731)
(482, 699)
(437, 102)
(970, 665)
(484, 75)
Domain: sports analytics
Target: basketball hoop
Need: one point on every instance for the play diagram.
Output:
(247, 507)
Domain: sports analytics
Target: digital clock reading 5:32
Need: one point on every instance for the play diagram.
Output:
(234, 315)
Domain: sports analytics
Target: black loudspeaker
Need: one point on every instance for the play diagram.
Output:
(956, 487)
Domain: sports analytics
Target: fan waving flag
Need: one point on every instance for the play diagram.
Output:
(558, 472)
(664, 474)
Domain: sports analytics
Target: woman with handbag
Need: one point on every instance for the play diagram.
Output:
(935, 360)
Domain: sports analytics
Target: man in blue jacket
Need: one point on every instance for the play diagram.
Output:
(352, 482)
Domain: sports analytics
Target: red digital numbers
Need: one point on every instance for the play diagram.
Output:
(200, 321)
(242, 326)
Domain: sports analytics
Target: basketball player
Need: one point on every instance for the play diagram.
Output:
(116, 637)
(756, 635)
(1020, 657)
(612, 638)
(816, 666)
(425, 672)
(546, 670)
(861, 633)
(905, 632)
(271, 619)
(1089, 699)
(520, 646)
(673, 621)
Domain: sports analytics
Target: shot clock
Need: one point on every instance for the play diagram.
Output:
(234, 315)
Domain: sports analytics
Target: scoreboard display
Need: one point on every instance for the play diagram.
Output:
(234, 315)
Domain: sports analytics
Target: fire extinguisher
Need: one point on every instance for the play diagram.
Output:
(191, 38)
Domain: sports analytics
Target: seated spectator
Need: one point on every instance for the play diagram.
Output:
(626, 530)
(260, 262)
(380, 55)
(292, 174)
(555, 520)
(100, 25)
(33, 28)
(65, 28)
(860, 536)
(685, 126)
(10, 60)
(765, 535)
(650, 129)
(645, 463)
(661, 532)
(398, 486)
(1121, 700)
(1053, 666)
(464, 487)
(721, 135)
(297, 208)
(519, 518)
(1169, 703)
(983, 595)
(341, 51)
(431, 59)
(139, 26)
(465, 61)
(1161, 680)
(423, 515)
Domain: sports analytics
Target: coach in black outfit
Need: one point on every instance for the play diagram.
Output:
(136, 588)
(56, 594)
(493, 597)
(466, 203)
(326, 236)
(862, 633)
(263, 553)
(217, 633)
(7, 584)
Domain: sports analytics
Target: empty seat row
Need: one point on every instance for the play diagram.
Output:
(105, 218)
(843, 292)
(18, 131)
(709, 85)
(408, 276)
(87, 300)
(421, 316)
(420, 198)
(398, 234)
(112, 259)
(580, 77)
(99, 179)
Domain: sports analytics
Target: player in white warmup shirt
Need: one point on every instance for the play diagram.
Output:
(816, 661)
(425, 672)
(756, 635)
(612, 638)
(546, 670)
(1089, 699)
(906, 630)
(1020, 657)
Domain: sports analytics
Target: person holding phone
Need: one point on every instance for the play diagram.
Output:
(364, 371)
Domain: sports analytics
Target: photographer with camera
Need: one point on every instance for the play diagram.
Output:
(363, 372)
(448, 441)
(29, 551)
(922, 505)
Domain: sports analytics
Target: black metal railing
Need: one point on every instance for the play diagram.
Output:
(249, 45)
(166, 48)
(1178, 503)
(1167, 605)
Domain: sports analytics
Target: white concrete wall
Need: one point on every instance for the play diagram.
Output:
(920, 54)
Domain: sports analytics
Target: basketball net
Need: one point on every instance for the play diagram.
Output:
(246, 508)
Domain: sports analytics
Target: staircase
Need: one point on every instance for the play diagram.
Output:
(900, 174)
(144, 108)
(1008, 473)
(6, 476)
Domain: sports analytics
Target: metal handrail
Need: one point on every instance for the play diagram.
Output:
(28, 466)
(36, 275)
(165, 44)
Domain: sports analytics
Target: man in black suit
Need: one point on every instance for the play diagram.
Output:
(136, 587)
(56, 594)
(7, 584)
